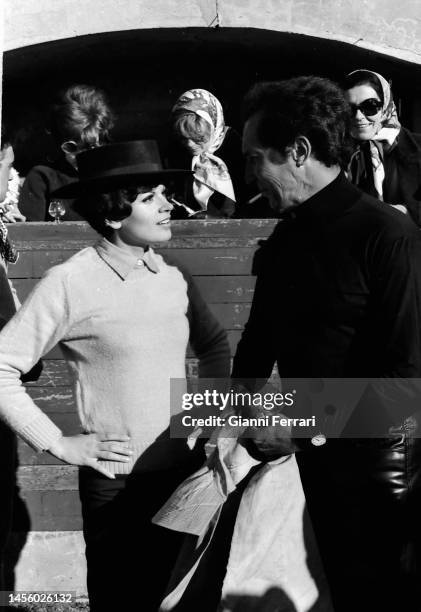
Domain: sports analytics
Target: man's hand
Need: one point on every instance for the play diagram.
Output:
(270, 442)
(264, 442)
(87, 449)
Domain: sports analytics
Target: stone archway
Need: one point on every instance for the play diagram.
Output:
(144, 70)
(339, 34)
(374, 25)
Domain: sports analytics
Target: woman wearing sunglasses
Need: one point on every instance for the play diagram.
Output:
(387, 159)
(80, 119)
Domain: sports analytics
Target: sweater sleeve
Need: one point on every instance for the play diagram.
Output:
(8, 304)
(40, 323)
(208, 339)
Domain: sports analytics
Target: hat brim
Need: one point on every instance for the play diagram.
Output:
(97, 185)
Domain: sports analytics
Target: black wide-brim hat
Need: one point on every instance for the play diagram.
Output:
(116, 166)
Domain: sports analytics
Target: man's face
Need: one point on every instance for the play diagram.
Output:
(277, 175)
(7, 158)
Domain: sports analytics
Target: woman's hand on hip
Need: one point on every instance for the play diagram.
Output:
(88, 449)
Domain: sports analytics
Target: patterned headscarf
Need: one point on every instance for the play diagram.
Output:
(386, 137)
(7, 252)
(210, 172)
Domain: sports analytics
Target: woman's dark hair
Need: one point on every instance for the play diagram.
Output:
(363, 77)
(112, 206)
(187, 125)
(81, 113)
(307, 106)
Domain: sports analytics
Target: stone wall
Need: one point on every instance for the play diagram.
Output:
(371, 24)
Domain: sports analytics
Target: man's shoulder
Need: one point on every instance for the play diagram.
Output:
(409, 142)
(55, 173)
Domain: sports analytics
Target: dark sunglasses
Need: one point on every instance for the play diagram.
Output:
(369, 107)
(72, 147)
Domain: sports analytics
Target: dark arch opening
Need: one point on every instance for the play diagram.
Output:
(144, 71)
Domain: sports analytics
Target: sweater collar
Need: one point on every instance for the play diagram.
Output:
(122, 262)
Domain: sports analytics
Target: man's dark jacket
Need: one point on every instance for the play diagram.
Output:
(338, 295)
(35, 195)
(408, 161)
(402, 166)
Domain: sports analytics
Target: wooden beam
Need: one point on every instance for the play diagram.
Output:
(214, 290)
(227, 261)
(52, 478)
(79, 230)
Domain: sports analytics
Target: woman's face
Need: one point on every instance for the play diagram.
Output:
(195, 148)
(148, 222)
(365, 124)
(7, 158)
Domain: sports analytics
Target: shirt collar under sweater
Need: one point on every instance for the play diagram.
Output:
(121, 261)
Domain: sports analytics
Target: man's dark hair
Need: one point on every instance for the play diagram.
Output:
(363, 77)
(112, 206)
(81, 113)
(307, 106)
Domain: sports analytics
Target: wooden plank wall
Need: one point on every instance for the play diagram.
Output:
(218, 253)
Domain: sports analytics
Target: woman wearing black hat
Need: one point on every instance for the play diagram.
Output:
(123, 317)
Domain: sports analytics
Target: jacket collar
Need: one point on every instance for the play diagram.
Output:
(62, 165)
(122, 262)
(331, 201)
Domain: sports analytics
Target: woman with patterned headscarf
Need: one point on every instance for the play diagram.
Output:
(387, 159)
(214, 152)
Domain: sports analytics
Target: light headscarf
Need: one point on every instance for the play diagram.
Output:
(385, 138)
(210, 172)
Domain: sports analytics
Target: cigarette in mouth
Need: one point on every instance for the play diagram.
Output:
(254, 198)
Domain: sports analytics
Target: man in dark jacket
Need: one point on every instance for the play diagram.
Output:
(408, 162)
(338, 295)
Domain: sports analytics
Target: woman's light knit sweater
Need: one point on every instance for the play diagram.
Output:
(123, 324)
